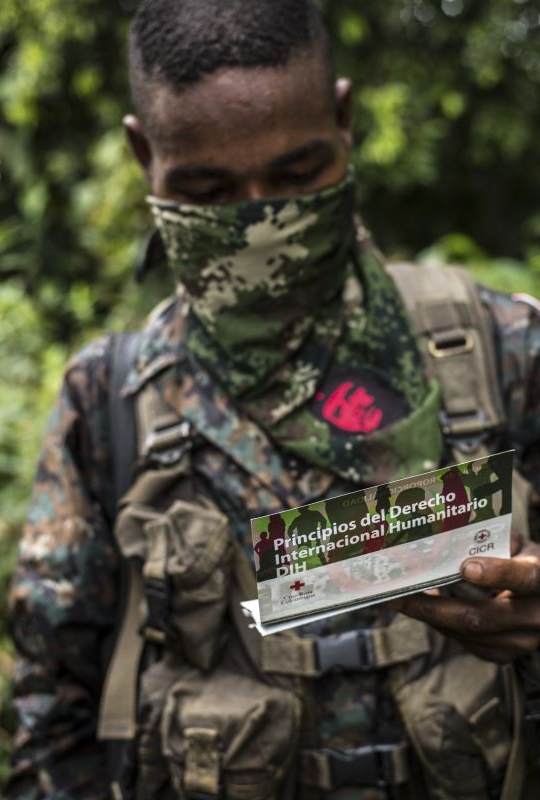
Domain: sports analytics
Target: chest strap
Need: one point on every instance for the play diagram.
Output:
(353, 651)
(361, 650)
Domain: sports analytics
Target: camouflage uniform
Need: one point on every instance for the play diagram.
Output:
(65, 592)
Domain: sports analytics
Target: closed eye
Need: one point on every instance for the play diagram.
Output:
(304, 177)
(206, 197)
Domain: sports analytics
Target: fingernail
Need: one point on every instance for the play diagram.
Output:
(473, 571)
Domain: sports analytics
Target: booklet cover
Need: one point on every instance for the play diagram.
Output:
(379, 543)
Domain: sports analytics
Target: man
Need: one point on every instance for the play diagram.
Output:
(278, 309)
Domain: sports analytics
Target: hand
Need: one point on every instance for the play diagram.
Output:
(501, 627)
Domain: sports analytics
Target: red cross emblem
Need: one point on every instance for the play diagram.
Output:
(481, 536)
(297, 586)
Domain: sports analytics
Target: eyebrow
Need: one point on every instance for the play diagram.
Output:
(194, 173)
(316, 147)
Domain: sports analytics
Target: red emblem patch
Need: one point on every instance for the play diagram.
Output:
(352, 409)
(358, 401)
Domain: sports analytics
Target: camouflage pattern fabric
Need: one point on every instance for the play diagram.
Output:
(278, 298)
(517, 339)
(65, 590)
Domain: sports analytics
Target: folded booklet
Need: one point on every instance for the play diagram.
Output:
(379, 543)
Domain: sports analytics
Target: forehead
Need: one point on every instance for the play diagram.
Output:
(239, 113)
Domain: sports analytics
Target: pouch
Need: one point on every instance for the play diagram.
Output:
(228, 735)
(187, 556)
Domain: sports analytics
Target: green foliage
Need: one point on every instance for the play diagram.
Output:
(505, 274)
(447, 155)
(447, 113)
(72, 198)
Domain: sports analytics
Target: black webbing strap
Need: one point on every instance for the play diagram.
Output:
(123, 432)
(123, 453)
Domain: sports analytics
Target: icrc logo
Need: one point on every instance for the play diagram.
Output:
(482, 544)
(482, 536)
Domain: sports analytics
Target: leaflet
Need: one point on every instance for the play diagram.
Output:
(379, 543)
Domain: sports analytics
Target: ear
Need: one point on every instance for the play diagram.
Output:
(139, 143)
(344, 110)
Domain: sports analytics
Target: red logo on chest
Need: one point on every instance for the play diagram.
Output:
(352, 409)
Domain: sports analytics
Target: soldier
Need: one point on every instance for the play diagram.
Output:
(244, 136)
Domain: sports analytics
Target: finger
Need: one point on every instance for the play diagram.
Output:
(516, 542)
(520, 574)
(502, 653)
(525, 640)
(501, 648)
(496, 615)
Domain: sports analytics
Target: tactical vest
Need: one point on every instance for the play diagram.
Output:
(209, 709)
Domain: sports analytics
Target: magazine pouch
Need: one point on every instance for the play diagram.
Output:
(187, 566)
(461, 718)
(220, 734)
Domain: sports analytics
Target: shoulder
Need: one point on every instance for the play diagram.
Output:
(516, 326)
(515, 314)
(88, 374)
(81, 413)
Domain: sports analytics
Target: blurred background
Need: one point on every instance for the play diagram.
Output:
(447, 152)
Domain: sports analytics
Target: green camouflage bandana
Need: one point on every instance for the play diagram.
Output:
(259, 277)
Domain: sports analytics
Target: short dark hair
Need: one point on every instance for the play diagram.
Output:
(178, 42)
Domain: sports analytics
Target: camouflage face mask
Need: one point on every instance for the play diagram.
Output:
(259, 276)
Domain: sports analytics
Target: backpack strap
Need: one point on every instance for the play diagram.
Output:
(112, 726)
(144, 428)
(122, 428)
(123, 451)
(457, 343)
(162, 438)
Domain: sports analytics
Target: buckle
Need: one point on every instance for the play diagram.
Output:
(350, 651)
(380, 765)
(465, 431)
(166, 446)
(450, 343)
(473, 422)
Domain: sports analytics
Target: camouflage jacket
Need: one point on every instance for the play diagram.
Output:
(64, 596)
